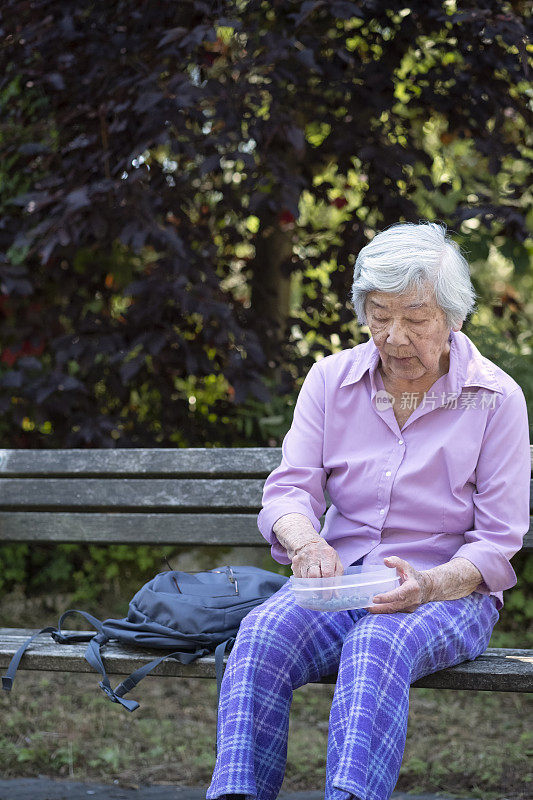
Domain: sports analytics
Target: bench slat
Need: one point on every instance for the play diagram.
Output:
(153, 462)
(171, 529)
(140, 528)
(128, 493)
(498, 669)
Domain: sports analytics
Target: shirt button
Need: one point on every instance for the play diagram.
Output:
(381, 510)
(400, 441)
(388, 473)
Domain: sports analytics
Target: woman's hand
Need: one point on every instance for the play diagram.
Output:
(414, 590)
(316, 559)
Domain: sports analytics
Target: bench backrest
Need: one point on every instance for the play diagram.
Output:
(199, 496)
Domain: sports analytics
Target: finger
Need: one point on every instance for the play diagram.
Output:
(327, 562)
(390, 597)
(404, 596)
(406, 593)
(403, 568)
(396, 561)
(395, 601)
(400, 564)
(328, 568)
(384, 609)
(390, 609)
(299, 567)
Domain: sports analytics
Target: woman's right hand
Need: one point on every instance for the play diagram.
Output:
(316, 559)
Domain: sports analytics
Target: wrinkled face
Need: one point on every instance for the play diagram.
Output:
(411, 334)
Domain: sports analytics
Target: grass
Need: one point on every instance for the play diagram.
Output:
(464, 743)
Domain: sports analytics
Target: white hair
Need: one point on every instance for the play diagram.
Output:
(406, 256)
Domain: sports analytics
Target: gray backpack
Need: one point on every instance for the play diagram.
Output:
(189, 615)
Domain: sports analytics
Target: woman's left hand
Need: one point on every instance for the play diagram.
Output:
(413, 591)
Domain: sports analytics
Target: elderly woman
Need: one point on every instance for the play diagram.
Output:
(422, 444)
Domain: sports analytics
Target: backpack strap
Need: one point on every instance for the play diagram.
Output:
(57, 635)
(219, 661)
(132, 680)
(70, 638)
(93, 656)
(9, 677)
(220, 651)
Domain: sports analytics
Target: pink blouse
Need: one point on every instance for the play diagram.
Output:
(453, 482)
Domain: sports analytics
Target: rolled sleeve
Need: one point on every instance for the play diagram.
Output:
(297, 485)
(501, 499)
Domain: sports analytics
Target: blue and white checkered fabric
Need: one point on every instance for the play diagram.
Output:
(281, 646)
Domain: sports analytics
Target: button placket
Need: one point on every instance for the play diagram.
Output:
(384, 503)
(385, 484)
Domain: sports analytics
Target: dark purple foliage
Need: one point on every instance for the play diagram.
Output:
(87, 88)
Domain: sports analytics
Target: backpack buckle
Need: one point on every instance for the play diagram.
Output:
(232, 578)
(108, 691)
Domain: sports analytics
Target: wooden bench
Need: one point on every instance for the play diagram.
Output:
(181, 497)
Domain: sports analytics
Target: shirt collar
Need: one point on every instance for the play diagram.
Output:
(467, 367)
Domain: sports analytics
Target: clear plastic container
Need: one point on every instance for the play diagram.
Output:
(354, 589)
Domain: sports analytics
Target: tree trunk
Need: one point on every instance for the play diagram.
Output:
(270, 298)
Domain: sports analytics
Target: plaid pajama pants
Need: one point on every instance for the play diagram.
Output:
(281, 646)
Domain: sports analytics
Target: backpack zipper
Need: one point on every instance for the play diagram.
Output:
(230, 576)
